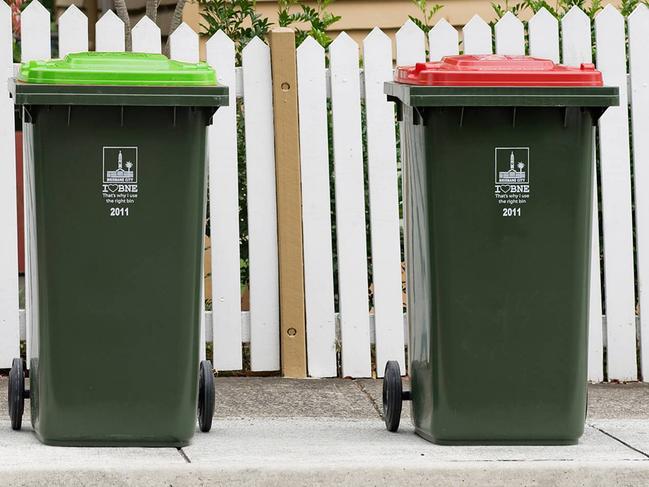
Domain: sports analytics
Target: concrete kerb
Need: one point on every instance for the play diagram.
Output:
(275, 431)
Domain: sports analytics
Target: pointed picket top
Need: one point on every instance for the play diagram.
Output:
(109, 33)
(609, 29)
(377, 39)
(255, 45)
(543, 29)
(576, 39)
(146, 36)
(510, 35)
(477, 36)
(341, 49)
(73, 31)
(609, 39)
(409, 29)
(183, 44)
(310, 45)
(34, 8)
(443, 40)
(219, 50)
(377, 64)
(411, 44)
(608, 12)
(574, 14)
(638, 22)
(218, 39)
(376, 35)
(35, 32)
(640, 12)
(343, 41)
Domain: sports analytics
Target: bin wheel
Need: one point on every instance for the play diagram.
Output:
(392, 395)
(16, 393)
(205, 396)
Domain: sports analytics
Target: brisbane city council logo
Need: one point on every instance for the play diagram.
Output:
(512, 174)
(119, 176)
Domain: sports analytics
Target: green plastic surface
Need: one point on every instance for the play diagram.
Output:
(498, 266)
(117, 255)
(117, 68)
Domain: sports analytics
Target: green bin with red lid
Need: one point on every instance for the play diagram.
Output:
(498, 187)
(115, 206)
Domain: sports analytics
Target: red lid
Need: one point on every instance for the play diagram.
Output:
(497, 70)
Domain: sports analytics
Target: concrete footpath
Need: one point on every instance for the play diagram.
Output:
(271, 431)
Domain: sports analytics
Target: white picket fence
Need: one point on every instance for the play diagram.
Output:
(346, 85)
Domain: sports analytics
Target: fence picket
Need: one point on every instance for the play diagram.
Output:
(262, 214)
(350, 207)
(477, 36)
(510, 35)
(183, 44)
(411, 49)
(146, 36)
(36, 44)
(442, 40)
(638, 23)
(109, 33)
(316, 210)
(73, 31)
(224, 212)
(544, 35)
(384, 202)
(9, 327)
(576, 49)
(616, 200)
(411, 44)
(35, 33)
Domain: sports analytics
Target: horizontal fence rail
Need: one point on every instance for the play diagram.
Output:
(351, 312)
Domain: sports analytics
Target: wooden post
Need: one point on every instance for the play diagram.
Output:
(91, 12)
(289, 203)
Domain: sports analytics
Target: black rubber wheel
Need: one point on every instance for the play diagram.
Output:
(16, 393)
(205, 396)
(392, 395)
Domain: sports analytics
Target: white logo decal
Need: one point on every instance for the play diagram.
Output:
(125, 172)
(512, 175)
(119, 178)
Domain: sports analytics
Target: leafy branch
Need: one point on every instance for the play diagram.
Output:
(318, 19)
(238, 19)
(425, 23)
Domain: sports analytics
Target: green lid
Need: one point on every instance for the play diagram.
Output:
(117, 68)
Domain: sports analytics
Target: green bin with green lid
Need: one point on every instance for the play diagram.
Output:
(498, 178)
(115, 180)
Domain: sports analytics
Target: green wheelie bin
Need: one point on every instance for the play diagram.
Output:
(115, 193)
(498, 178)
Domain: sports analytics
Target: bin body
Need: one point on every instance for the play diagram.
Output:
(116, 202)
(498, 209)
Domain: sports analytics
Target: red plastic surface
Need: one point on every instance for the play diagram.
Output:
(497, 70)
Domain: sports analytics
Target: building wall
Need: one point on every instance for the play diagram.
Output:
(360, 16)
